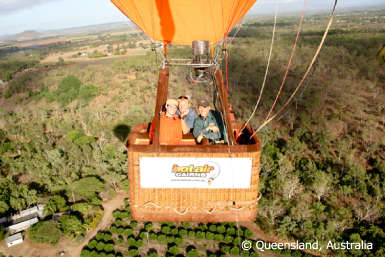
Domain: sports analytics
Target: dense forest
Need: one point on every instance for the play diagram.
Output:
(322, 172)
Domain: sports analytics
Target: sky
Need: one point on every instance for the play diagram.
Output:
(17, 16)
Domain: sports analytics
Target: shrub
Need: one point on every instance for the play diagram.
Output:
(254, 254)
(219, 237)
(149, 227)
(296, 254)
(213, 228)
(165, 229)
(128, 231)
(209, 236)
(286, 252)
(199, 235)
(245, 253)
(111, 192)
(228, 239)
(248, 233)
(179, 241)
(100, 246)
(193, 252)
(109, 248)
(134, 224)
(234, 251)
(186, 225)
(203, 227)
(139, 243)
(225, 248)
(133, 252)
(113, 229)
(84, 253)
(153, 236)
(161, 238)
(107, 237)
(183, 232)
(191, 233)
(170, 239)
(92, 244)
(237, 241)
(131, 241)
(174, 231)
(174, 250)
(99, 236)
(221, 229)
(116, 214)
(120, 231)
(118, 222)
(231, 231)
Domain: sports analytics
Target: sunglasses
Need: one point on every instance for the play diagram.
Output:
(183, 97)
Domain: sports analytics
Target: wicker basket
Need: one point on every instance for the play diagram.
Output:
(189, 204)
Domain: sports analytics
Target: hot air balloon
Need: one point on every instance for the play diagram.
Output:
(165, 180)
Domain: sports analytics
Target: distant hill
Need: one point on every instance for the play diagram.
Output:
(26, 35)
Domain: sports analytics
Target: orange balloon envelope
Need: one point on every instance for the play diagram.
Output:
(183, 21)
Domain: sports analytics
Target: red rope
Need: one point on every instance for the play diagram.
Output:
(227, 79)
(287, 70)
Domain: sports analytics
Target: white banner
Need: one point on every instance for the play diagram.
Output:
(195, 172)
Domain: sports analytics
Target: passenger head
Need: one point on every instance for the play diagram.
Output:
(183, 103)
(171, 107)
(204, 107)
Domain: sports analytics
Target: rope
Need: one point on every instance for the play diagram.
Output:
(291, 58)
(240, 247)
(267, 69)
(236, 209)
(308, 70)
(227, 71)
(209, 212)
(181, 213)
(151, 203)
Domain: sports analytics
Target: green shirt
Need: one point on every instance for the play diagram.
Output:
(201, 124)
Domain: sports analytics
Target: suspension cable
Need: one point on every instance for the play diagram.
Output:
(267, 69)
(288, 66)
(308, 70)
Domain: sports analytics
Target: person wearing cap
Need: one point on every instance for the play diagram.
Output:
(207, 124)
(170, 125)
(186, 114)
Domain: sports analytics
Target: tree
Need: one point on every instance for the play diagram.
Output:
(271, 209)
(192, 252)
(234, 251)
(70, 224)
(49, 232)
(322, 184)
(174, 250)
(291, 186)
(88, 187)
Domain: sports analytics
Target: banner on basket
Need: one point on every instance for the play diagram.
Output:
(195, 172)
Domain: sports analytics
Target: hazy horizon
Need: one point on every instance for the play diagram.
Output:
(18, 16)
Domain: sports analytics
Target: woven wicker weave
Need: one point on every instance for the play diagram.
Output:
(189, 204)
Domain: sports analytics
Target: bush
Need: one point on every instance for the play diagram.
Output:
(116, 214)
(228, 239)
(296, 254)
(133, 252)
(193, 252)
(191, 233)
(113, 229)
(118, 222)
(161, 238)
(149, 227)
(92, 244)
(99, 236)
(139, 243)
(7, 94)
(100, 246)
(174, 250)
(165, 229)
(128, 231)
(225, 248)
(131, 241)
(153, 236)
(127, 202)
(111, 192)
(219, 237)
(286, 252)
(221, 229)
(234, 251)
(209, 236)
(186, 225)
(134, 224)
(84, 253)
(183, 232)
(231, 231)
(199, 235)
(203, 227)
(179, 241)
(248, 233)
(254, 254)
(170, 239)
(213, 228)
(174, 231)
(237, 241)
(109, 248)
(120, 231)
(245, 253)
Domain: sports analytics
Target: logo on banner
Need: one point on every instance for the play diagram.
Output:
(209, 171)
